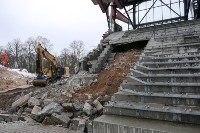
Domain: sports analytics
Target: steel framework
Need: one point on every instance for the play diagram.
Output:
(169, 11)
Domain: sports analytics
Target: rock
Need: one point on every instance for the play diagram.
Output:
(48, 101)
(48, 121)
(94, 110)
(21, 101)
(62, 119)
(52, 108)
(27, 110)
(78, 106)
(89, 101)
(78, 124)
(88, 126)
(81, 125)
(68, 107)
(10, 118)
(33, 102)
(20, 111)
(100, 99)
(107, 98)
(87, 108)
(98, 106)
(79, 113)
(89, 96)
(74, 124)
(35, 114)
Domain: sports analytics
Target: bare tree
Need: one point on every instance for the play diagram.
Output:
(30, 48)
(14, 48)
(45, 42)
(77, 48)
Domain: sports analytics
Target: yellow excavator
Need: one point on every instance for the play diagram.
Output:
(46, 75)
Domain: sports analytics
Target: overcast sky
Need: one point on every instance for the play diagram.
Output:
(61, 21)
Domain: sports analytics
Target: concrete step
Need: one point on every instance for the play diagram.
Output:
(169, 78)
(161, 88)
(192, 63)
(166, 70)
(170, 54)
(183, 114)
(173, 52)
(178, 57)
(159, 98)
(123, 124)
(180, 50)
(168, 46)
(135, 81)
(162, 74)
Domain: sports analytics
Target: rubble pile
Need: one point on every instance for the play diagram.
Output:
(73, 114)
(73, 103)
(112, 76)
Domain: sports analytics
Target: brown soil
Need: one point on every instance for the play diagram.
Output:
(110, 79)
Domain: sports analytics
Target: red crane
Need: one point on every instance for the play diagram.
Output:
(5, 57)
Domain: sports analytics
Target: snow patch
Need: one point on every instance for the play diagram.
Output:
(23, 72)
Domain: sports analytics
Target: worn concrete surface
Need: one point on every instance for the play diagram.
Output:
(119, 124)
(24, 127)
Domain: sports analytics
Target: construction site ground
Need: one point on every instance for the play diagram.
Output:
(107, 83)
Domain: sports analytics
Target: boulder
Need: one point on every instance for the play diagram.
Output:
(10, 118)
(98, 106)
(48, 101)
(21, 101)
(61, 119)
(87, 108)
(33, 102)
(52, 108)
(107, 98)
(68, 107)
(48, 121)
(35, 114)
(78, 106)
(78, 124)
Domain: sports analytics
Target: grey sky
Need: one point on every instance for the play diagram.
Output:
(61, 21)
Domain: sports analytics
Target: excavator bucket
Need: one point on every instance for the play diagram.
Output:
(40, 82)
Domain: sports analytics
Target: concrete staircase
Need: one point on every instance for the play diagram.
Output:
(163, 87)
(95, 59)
(97, 64)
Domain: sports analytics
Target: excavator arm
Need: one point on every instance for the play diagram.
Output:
(41, 54)
(44, 75)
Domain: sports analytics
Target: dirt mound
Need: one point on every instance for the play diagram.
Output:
(11, 78)
(110, 79)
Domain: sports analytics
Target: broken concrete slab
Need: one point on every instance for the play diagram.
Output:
(35, 113)
(78, 124)
(68, 107)
(33, 101)
(78, 105)
(21, 101)
(52, 108)
(87, 108)
(48, 121)
(98, 106)
(10, 118)
(62, 119)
